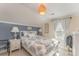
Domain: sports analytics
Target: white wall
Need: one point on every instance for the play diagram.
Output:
(50, 34)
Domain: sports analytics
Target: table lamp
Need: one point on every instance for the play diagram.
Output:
(15, 30)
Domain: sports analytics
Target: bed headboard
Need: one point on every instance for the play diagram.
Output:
(22, 33)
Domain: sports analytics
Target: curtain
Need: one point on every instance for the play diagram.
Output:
(65, 22)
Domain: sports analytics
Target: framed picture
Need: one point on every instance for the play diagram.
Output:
(29, 28)
(46, 28)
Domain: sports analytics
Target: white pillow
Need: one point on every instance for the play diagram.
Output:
(25, 33)
(31, 35)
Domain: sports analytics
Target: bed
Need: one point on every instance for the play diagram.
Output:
(37, 45)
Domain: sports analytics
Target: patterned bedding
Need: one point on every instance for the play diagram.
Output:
(39, 46)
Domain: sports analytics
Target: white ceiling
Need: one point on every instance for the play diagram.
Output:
(26, 13)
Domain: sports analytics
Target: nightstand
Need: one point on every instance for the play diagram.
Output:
(14, 44)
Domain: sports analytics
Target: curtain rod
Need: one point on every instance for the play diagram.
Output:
(62, 18)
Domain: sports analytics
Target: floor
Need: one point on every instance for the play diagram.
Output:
(20, 52)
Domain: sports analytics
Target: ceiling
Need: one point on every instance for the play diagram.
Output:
(26, 13)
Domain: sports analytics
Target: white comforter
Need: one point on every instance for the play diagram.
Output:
(39, 46)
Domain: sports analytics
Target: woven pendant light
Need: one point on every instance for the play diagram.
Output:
(42, 9)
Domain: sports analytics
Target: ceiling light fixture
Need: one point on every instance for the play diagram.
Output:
(42, 9)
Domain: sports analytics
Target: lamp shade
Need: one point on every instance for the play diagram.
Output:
(15, 29)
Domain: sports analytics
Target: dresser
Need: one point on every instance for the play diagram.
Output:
(14, 44)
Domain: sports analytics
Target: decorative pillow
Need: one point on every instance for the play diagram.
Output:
(31, 35)
(25, 33)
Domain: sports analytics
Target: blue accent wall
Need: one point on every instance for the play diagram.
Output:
(5, 29)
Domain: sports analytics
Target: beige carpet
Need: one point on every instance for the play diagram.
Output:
(21, 52)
